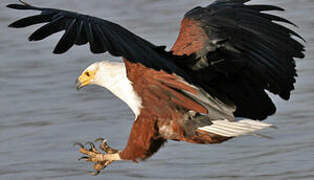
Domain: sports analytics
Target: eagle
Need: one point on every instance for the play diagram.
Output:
(211, 86)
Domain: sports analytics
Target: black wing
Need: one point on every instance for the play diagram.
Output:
(101, 35)
(240, 52)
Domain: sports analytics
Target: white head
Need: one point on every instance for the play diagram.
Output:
(111, 75)
(103, 73)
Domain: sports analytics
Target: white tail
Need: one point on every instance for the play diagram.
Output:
(232, 129)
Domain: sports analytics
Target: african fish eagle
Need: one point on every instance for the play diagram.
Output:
(225, 58)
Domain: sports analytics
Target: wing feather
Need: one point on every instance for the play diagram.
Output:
(47, 30)
(80, 38)
(101, 35)
(245, 52)
(28, 21)
(68, 38)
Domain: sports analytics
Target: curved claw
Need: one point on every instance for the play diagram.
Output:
(84, 158)
(92, 152)
(94, 173)
(78, 144)
(92, 145)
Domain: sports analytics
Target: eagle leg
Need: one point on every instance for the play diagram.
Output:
(93, 155)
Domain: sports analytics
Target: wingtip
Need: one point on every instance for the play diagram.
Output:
(22, 6)
(31, 39)
(58, 51)
(15, 25)
(294, 34)
(19, 6)
(11, 25)
(14, 6)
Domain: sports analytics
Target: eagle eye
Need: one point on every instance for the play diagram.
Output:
(87, 74)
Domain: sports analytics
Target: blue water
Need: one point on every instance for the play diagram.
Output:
(41, 114)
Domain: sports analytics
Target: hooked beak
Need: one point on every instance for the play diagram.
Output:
(85, 79)
(78, 84)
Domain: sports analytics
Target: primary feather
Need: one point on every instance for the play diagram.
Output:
(243, 52)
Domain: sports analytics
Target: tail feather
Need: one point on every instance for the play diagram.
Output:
(233, 129)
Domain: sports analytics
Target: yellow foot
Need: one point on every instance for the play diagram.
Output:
(101, 160)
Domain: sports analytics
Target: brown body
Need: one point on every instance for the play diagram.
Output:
(164, 111)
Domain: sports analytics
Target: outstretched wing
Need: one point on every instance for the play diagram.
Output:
(102, 36)
(240, 52)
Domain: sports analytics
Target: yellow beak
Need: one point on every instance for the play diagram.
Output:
(82, 81)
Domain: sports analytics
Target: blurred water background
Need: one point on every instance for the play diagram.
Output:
(41, 114)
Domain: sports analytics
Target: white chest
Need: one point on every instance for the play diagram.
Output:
(124, 90)
(113, 77)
